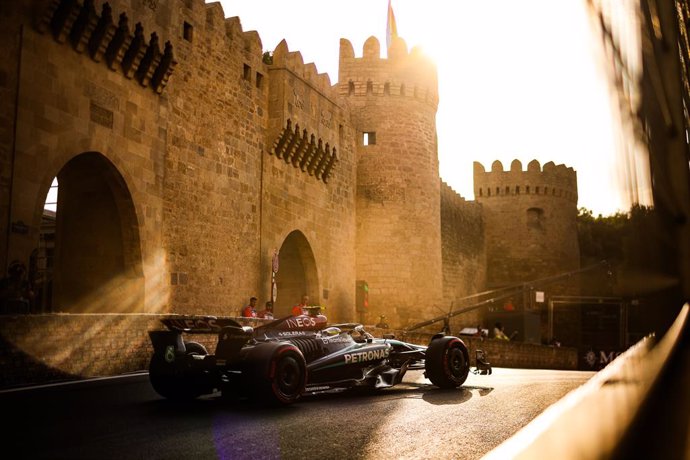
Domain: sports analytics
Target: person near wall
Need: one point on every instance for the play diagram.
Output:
(267, 312)
(480, 332)
(499, 332)
(300, 308)
(15, 290)
(250, 310)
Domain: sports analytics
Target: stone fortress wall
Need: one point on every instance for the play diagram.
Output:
(394, 100)
(185, 160)
(529, 220)
(463, 253)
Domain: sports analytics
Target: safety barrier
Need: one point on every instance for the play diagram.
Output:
(637, 407)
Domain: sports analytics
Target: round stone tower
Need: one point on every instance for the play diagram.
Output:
(393, 103)
(530, 221)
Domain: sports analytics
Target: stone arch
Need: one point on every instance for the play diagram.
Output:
(297, 274)
(98, 260)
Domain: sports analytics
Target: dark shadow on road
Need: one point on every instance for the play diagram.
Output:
(447, 396)
(483, 391)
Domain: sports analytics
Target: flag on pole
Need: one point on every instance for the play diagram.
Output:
(391, 27)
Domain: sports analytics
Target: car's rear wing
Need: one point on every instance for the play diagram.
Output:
(196, 324)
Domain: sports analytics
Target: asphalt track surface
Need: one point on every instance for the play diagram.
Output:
(126, 419)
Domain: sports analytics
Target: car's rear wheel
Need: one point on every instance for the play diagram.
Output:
(447, 362)
(170, 375)
(280, 373)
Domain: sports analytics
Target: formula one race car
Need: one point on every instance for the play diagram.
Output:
(281, 360)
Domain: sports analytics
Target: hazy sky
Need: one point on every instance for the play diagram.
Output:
(517, 79)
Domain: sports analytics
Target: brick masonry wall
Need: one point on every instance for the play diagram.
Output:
(398, 209)
(298, 199)
(54, 347)
(9, 61)
(216, 105)
(529, 220)
(463, 251)
(46, 348)
(69, 104)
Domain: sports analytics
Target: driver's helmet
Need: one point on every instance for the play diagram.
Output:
(330, 331)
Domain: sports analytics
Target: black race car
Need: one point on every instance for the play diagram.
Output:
(281, 360)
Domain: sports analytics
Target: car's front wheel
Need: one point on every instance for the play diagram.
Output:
(447, 362)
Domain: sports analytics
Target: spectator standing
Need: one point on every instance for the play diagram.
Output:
(250, 310)
(267, 312)
(15, 291)
(301, 308)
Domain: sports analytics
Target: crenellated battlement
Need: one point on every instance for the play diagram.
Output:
(215, 20)
(558, 181)
(292, 61)
(250, 40)
(406, 75)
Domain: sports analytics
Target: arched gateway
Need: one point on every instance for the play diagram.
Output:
(297, 274)
(97, 266)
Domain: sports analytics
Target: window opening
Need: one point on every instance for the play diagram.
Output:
(535, 218)
(52, 197)
(187, 31)
(369, 138)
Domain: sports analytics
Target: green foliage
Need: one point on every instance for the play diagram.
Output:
(267, 58)
(629, 239)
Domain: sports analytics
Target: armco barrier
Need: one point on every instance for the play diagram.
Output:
(636, 407)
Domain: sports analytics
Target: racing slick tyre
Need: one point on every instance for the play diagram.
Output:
(280, 373)
(447, 362)
(172, 379)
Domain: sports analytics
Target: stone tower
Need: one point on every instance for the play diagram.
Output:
(529, 220)
(393, 103)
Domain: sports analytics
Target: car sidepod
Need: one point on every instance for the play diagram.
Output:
(349, 366)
